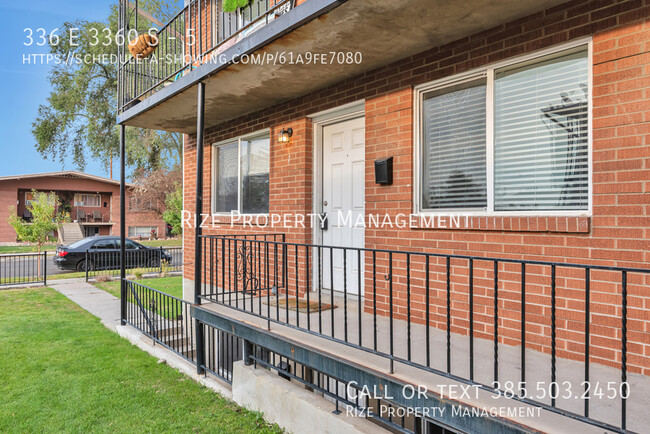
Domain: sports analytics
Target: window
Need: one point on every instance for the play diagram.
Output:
(29, 198)
(241, 178)
(508, 139)
(454, 174)
(142, 231)
(104, 244)
(87, 200)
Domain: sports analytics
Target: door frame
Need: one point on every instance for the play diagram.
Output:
(320, 120)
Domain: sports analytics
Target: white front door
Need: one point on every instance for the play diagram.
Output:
(344, 202)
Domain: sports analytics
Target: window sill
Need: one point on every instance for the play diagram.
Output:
(566, 224)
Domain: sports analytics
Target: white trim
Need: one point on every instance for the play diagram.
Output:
(336, 114)
(343, 113)
(237, 140)
(488, 71)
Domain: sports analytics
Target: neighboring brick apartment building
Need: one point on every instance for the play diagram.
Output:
(531, 137)
(93, 202)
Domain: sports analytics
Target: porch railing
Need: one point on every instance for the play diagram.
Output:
(450, 314)
(197, 33)
(164, 318)
(23, 268)
(144, 261)
(167, 320)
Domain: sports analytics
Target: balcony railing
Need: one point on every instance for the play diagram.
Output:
(197, 33)
(505, 325)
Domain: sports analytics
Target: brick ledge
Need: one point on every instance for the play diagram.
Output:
(514, 224)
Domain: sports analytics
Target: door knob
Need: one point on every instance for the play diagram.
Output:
(325, 203)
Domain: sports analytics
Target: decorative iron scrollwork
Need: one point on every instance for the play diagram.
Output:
(245, 270)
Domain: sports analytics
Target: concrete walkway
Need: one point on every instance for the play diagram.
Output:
(100, 303)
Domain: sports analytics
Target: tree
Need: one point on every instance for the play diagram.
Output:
(45, 220)
(173, 213)
(152, 186)
(79, 116)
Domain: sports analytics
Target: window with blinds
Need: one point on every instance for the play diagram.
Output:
(541, 159)
(454, 172)
(242, 175)
(538, 116)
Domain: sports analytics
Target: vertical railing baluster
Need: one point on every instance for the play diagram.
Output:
(587, 338)
(390, 313)
(332, 288)
(345, 294)
(408, 307)
(359, 307)
(496, 321)
(320, 289)
(553, 338)
(307, 277)
(523, 329)
(374, 299)
(427, 310)
(471, 319)
(448, 270)
(623, 388)
(297, 288)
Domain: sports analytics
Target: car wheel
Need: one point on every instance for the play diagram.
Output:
(154, 262)
(81, 266)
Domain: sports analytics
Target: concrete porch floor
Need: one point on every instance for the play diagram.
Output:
(570, 374)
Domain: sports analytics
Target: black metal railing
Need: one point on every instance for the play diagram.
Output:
(164, 318)
(23, 268)
(445, 313)
(222, 350)
(192, 37)
(138, 261)
(167, 320)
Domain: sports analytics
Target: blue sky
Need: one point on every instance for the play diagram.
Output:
(24, 87)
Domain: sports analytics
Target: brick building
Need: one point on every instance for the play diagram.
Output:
(91, 200)
(519, 141)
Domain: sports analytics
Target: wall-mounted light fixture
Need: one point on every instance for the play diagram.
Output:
(285, 135)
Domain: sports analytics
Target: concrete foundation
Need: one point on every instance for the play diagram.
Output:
(290, 405)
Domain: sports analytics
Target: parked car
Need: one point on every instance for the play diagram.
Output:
(103, 253)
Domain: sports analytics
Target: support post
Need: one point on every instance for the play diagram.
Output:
(45, 268)
(122, 225)
(200, 109)
(248, 352)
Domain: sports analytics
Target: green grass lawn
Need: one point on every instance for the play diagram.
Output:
(169, 285)
(51, 247)
(62, 370)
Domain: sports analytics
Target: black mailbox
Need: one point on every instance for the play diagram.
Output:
(384, 171)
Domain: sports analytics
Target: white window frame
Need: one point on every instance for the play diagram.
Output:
(238, 139)
(488, 73)
(83, 204)
(144, 226)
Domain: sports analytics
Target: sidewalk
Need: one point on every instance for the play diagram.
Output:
(100, 303)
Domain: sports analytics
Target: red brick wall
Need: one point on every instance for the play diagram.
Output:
(616, 234)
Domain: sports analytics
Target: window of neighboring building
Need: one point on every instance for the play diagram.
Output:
(513, 138)
(29, 198)
(91, 200)
(241, 175)
(142, 231)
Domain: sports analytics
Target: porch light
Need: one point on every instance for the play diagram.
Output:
(285, 135)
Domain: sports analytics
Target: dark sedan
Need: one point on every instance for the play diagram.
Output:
(103, 253)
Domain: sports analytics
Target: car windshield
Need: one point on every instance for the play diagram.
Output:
(77, 244)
